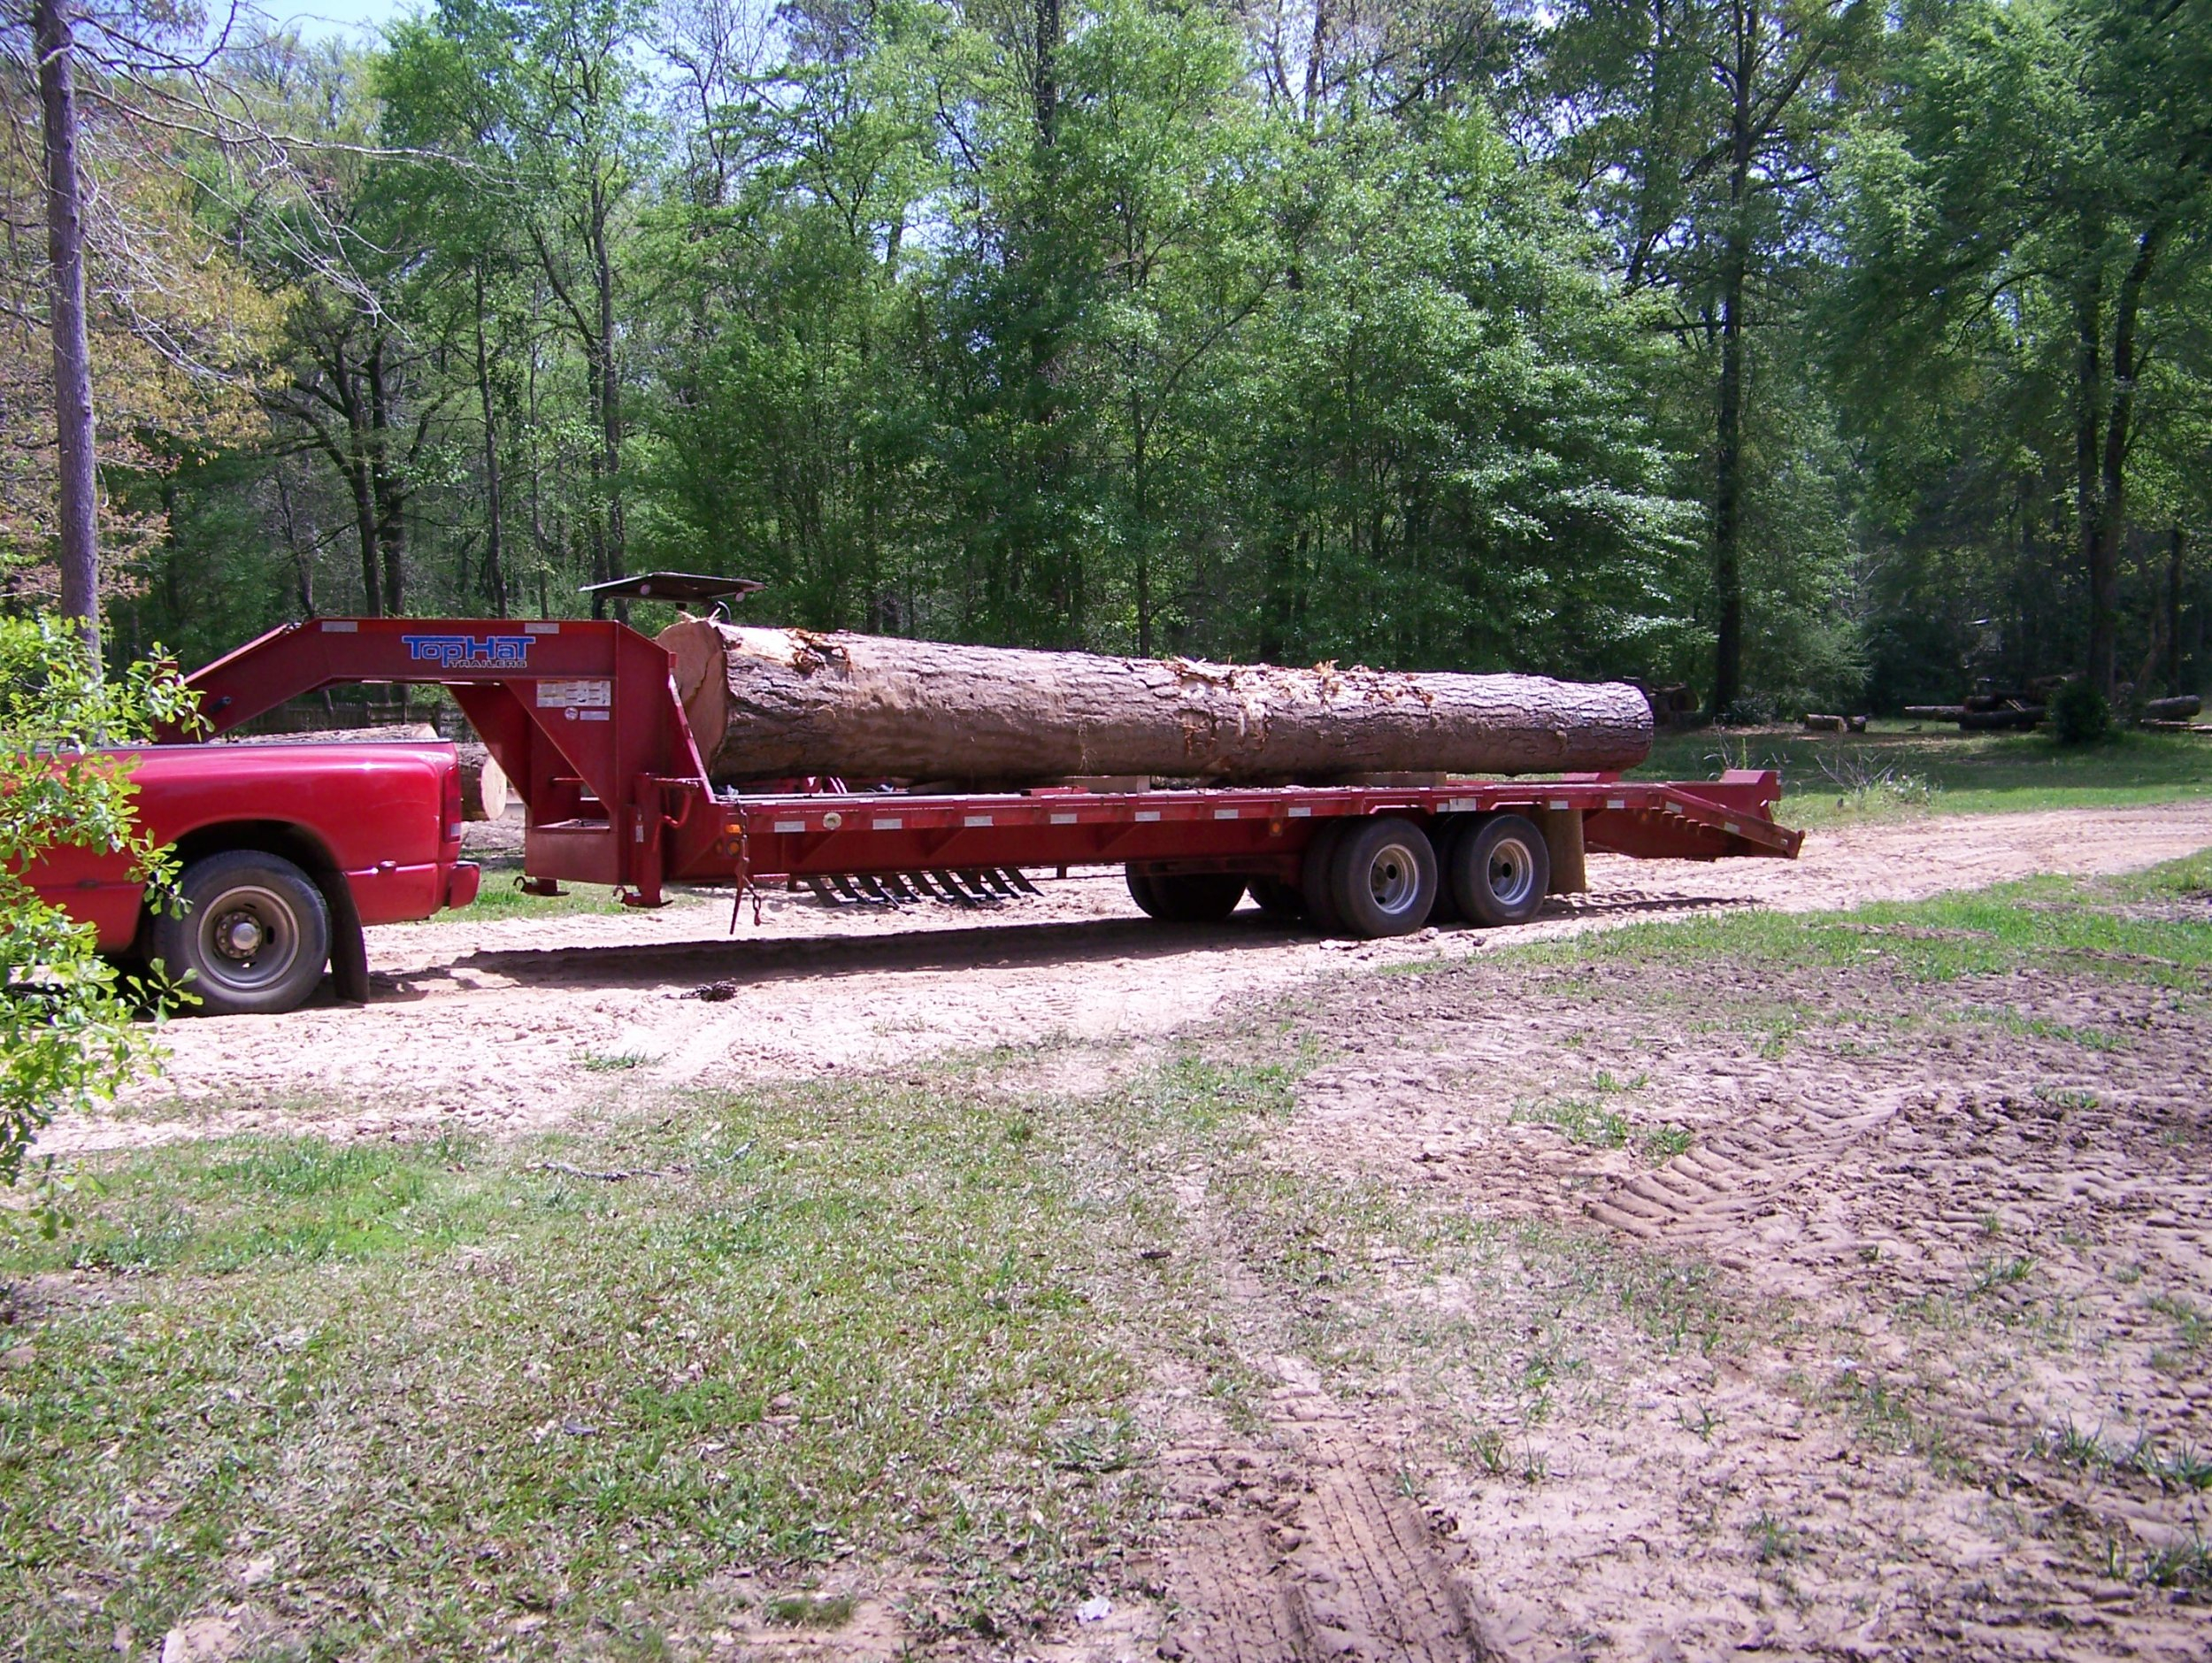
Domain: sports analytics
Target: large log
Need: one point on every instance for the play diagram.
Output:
(771, 704)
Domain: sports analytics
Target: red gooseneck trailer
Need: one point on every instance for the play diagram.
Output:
(584, 718)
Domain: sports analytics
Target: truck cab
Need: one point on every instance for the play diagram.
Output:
(286, 852)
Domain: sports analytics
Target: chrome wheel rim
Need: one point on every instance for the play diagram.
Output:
(1393, 878)
(249, 939)
(1512, 872)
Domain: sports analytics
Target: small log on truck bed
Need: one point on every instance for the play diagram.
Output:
(767, 703)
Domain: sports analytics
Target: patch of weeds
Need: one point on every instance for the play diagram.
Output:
(1773, 1542)
(2069, 1446)
(1584, 1120)
(612, 1062)
(2067, 1099)
(809, 1611)
(1661, 1144)
(1701, 1423)
(1991, 1275)
(2186, 1468)
(2192, 1327)
(2178, 1564)
(1202, 1093)
(1886, 1412)
(2007, 1020)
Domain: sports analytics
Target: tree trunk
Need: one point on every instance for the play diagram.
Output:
(771, 704)
(78, 489)
(2088, 398)
(2111, 521)
(495, 565)
(2173, 614)
(1728, 435)
(391, 491)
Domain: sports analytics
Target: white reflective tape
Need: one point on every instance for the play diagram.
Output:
(541, 630)
(1733, 829)
(1558, 802)
(1064, 819)
(886, 823)
(1461, 805)
(341, 627)
(593, 715)
(1147, 814)
(977, 819)
(1616, 802)
(1224, 813)
(1299, 811)
(790, 825)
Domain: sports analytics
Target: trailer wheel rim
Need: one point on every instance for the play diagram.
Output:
(1394, 878)
(249, 938)
(1511, 872)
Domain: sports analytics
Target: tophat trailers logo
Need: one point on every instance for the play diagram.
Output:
(470, 652)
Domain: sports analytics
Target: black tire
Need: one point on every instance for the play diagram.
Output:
(255, 935)
(1383, 877)
(1444, 837)
(1282, 902)
(1185, 898)
(1500, 871)
(1314, 882)
(1142, 892)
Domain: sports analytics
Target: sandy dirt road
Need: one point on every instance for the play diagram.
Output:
(514, 1024)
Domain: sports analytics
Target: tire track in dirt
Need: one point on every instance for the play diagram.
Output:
(1304, 1549)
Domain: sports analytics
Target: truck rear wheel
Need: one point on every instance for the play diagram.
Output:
(1383, 877)
(1185, 898)
(255, 933)
(1500, 871)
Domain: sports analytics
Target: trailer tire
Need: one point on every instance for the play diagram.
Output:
(1445, 834)
(254, 934)
(1315, 883)
(1185, 898)
(1383, 877)
(1500, 871)
(1278, 900)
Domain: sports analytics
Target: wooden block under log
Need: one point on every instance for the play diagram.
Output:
(767, 703)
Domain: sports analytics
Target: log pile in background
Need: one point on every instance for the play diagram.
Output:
(484, 789)
(775, 703)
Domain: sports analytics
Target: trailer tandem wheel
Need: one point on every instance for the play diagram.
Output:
(1185, 898)
(1383, 877)
(1501, 870)
(1316, 882)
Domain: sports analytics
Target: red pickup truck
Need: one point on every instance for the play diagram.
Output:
(286, 852)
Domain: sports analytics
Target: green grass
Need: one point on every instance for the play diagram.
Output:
(2152, 926)
(1894, 771)
(446, 1388)
(500, 896)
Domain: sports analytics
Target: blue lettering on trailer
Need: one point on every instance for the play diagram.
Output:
(470, 652)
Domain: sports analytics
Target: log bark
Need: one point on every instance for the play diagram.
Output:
(771, 704)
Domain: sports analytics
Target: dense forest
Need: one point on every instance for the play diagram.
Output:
(1804, 352)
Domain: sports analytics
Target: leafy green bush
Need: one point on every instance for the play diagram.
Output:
(2078, 715)
(67, 1036)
